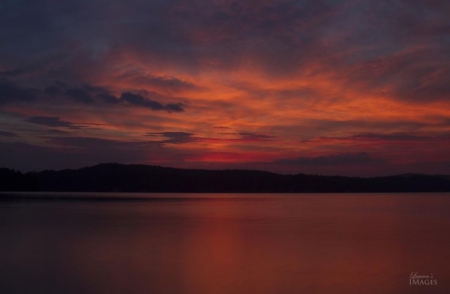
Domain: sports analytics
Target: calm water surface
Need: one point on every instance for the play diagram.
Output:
(226, 243)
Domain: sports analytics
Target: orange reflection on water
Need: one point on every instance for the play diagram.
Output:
(221, 244)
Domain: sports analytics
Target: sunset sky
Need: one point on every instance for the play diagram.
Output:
(326, 87)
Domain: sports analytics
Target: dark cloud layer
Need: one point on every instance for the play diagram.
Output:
(139, 100)
(77, 153)
(174, 137)
(402, 137)
(57, 132)
(255, 137)
(399, 136)
(164, 83)
(329, 160)
(50, 121)
(10, 92)
(7, 134)
(79, 95)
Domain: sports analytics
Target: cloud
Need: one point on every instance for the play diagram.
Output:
(91, 143)
(27, 157)
(8, 134)
(86, 151)
(254, 137)
(392, 137)
(12, 72)
(10, 92)
(87, 93)
(398, 136)
(50, 122)
(139, 100)
(363, 125)
(161, 83)
(53, 90)
(167, 83)
(178, 137)
(174, 137)
(329, 160)
(79, 95)
(184, 137)
(78, 152)
(57, 132)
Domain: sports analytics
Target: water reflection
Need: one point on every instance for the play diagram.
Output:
(265, 244)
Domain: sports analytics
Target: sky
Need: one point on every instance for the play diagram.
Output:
(330, 87)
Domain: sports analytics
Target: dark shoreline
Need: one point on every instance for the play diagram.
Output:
(155, 179)
(75, 197)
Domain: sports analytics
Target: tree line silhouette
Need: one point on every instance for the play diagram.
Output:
(114, 177)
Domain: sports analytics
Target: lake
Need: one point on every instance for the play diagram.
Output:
(226, 243)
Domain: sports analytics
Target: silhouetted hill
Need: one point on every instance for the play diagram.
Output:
(145, 178)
